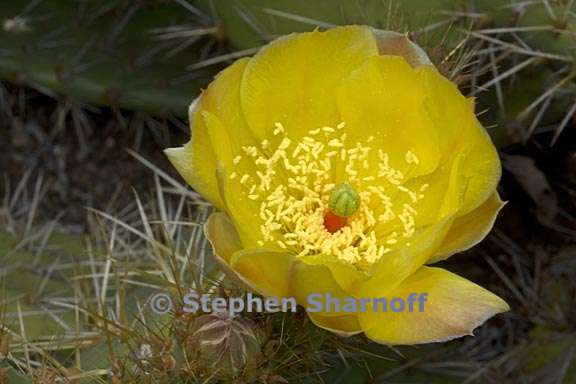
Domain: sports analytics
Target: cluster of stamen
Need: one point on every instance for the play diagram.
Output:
(292, 183)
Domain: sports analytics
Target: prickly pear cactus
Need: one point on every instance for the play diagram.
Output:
(250, 23)
(551, 24)
(129, 54)
(154, 56)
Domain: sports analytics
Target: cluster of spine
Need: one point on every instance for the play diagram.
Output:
(155, 56)
(123, 54)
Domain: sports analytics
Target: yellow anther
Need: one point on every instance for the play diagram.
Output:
(293, 185)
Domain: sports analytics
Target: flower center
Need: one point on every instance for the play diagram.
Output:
(344, 201)
(305, 210)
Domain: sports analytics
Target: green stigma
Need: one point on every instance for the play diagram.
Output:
(344, 200)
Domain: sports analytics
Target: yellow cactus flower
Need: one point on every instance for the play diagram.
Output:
(361, 121)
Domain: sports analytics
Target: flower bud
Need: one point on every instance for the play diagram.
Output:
(225, 345)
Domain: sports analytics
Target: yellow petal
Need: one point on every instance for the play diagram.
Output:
(222, 99)
(441, 199)
(469, 164)
(223, 144)
(460, 132)
(397, 265)
(196, 161)
(308, 279)
(222, 235)
(454, 307)
(482, 169)
(267, 272)
(222, 113)
(228, 134)
(345, 325)
(224, 239)
(241, 208)
(444, 195)
(292, 80)
(384, 98)
(470, 229)
(345, 274)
